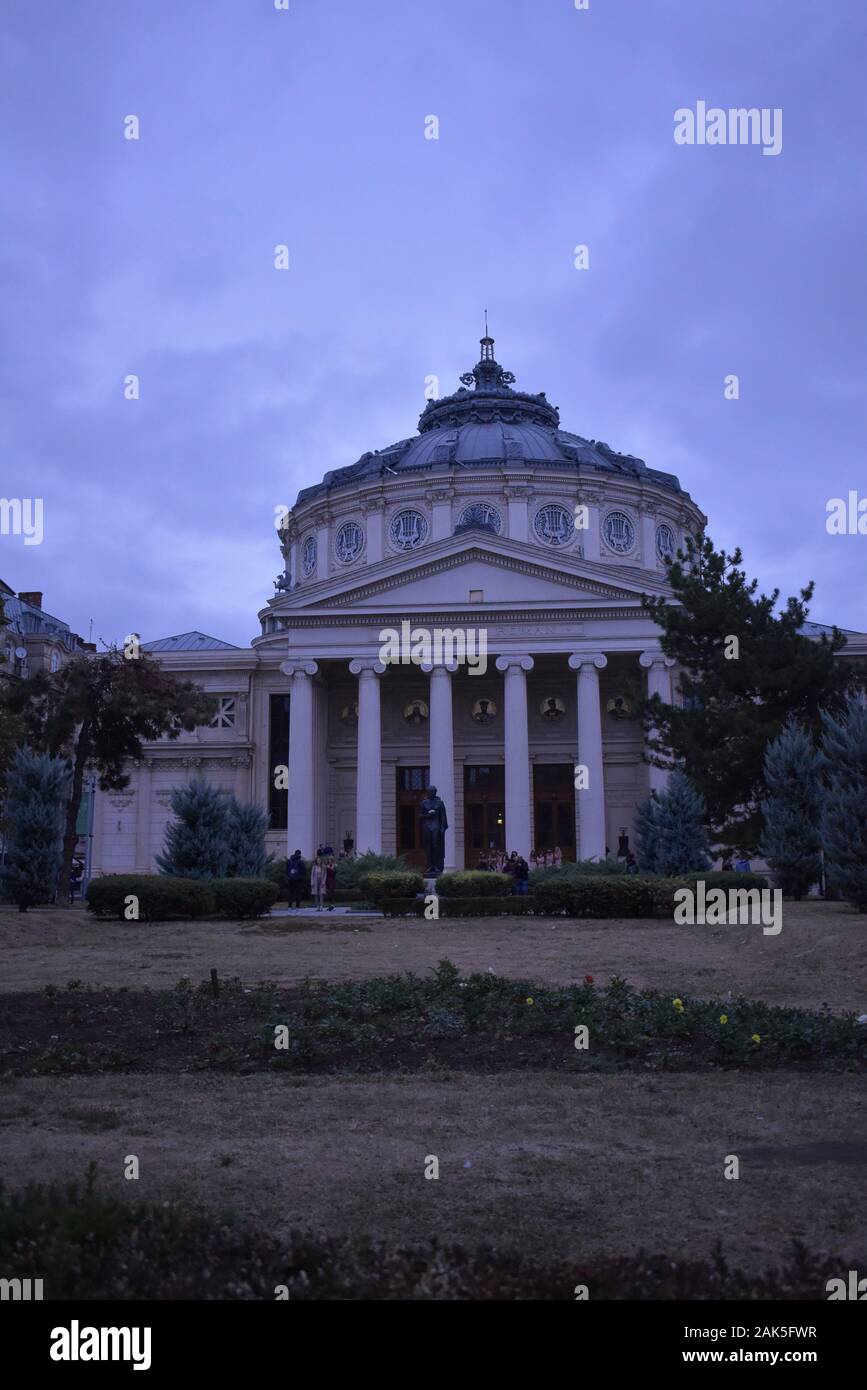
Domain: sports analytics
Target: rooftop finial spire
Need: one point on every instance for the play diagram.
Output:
(487, 344)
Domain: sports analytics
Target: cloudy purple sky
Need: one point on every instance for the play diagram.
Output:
(260, 127)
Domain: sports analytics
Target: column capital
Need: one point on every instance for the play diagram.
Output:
(525, 662)
(432, 668)
(367, 665)
(295, 668)
(651, 658)
(580, 659)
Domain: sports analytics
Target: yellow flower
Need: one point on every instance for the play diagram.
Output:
(723, 1018)
(529, 1001)
(678, 1005)
(756, 1038)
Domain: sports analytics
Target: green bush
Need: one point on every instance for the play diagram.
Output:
(351, 871)
(391, 883)
(160, 896)
(474, 883)
(581, 866)
(598, 895)
(244, 897)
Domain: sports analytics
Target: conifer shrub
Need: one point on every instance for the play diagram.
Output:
(37, 790)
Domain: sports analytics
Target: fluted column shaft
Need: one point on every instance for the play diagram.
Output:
(299, 820)
(516, 751)
(591, 797)
(442, 748)
(658, 668)
(368, 814)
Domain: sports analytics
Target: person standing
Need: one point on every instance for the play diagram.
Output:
(296, 875)
(522, 875)
(330, 882)
(317, 882)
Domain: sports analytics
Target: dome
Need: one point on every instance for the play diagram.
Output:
(487, 422)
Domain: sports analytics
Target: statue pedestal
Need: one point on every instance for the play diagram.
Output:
(430, 885)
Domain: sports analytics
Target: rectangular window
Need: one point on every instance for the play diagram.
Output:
(278, 757)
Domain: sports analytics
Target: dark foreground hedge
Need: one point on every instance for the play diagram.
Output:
(161, 897)
(626, 895)
(457, 907)
(85, 1245)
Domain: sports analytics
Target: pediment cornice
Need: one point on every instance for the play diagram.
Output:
(568, 571)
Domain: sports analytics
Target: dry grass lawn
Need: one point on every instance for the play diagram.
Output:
(550, 1164)
(820, 957)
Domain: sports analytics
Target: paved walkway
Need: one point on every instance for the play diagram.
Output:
(340, 909)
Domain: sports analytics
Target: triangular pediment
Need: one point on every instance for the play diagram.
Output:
(456, 571)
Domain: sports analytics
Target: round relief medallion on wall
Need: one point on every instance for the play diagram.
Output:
(481, 514)
(484, 711)
(619, 707)
(416, 712)
(618, 533)
(308, 556)
(407, 530)
(349, 542)
(554, 524)
(553, 709)
(665, 542)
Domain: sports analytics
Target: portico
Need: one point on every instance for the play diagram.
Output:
(439, 721)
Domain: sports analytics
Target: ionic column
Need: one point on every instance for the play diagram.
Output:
(516, 751)
(299, 822)
(658, 683)
(591, 798)
(442, 747)
(368, 814)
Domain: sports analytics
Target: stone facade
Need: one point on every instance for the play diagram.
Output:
(499, 528)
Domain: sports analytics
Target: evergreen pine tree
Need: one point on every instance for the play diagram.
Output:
(644, 831)
(793, 810)
(248, 857)
(733, 701)
(197, 840)
(37, 789)
(844, 825)
(679, 835)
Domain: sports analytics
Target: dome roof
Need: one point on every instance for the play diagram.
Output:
(488, 422)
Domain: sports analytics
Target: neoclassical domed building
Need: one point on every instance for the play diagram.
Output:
(462, 607)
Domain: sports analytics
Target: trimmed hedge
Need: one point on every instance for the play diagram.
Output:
(160, 896)
(518, 905)
(474, 883)
(599, 895)
(165, 896)
(394, 883)
(732, 878)
(514, 906)
(628, 895)
(244, 897)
